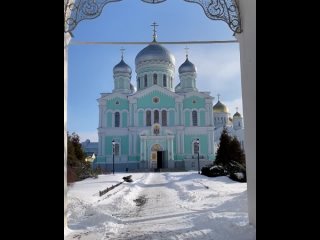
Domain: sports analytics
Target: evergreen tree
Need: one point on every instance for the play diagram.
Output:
(230, 157)
(78, 151)
(77, 167)
(223, 153)
(236, 152)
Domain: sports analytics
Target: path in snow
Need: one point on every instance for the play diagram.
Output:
(165, 206)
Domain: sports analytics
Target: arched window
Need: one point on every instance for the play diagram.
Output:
(165, 80)
(239, 124)
(155, 78)
(194, 118)
(145, 80)
(117, 119)
(156, 116)
(148, 118)
(138, 83)
(164, 117)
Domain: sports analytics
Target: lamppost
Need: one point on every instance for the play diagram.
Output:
(198, 142)
(113, 145)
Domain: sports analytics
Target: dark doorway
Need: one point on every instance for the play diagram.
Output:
(160, 159)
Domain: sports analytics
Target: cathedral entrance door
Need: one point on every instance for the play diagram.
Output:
(160, 159)
(156, 156)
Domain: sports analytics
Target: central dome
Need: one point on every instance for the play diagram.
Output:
(154, 52)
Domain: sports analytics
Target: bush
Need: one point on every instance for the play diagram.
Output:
(213, 171)
(238, 176)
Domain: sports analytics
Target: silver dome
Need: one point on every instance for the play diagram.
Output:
(154, 52)
(187, 66)
(122, 67)
(237, 114)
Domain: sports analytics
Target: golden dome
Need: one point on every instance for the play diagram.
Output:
(220, 107)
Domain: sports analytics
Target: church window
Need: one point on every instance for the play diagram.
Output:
(138, 82)
(155, 78)
(239, 124)
(164, 117)
(156, 116)
(164, 80)
(145, 80)
(155, 99)
(117, 103)
(148, 118)
(194, 118)
(117, 119)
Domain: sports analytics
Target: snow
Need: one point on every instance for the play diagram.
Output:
(175, 205)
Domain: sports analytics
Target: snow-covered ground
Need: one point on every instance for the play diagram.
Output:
(179, 205)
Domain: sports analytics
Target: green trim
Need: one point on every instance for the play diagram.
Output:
(188, 102)
(165, 101)
(123, 104)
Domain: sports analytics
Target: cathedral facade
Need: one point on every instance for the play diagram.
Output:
(158, 125)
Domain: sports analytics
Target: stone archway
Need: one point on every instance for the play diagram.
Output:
(77, 10)
(245, 31)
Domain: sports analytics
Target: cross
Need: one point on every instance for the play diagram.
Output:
(122, 51)
(154, 25)
(218, 96)
(186, 48)
(237, 109)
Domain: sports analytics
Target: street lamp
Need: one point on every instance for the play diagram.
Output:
(198, 142)
(113, 145)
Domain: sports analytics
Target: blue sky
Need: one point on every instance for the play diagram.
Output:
(90, 66)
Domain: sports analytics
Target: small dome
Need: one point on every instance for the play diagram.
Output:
(154, 52)
(237, 114)
(187, 66)
(122, 67)
(220, 107)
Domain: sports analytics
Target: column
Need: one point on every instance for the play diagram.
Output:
(247, 42)
(103, 146)
(100, 116)
(100, 146)
(67, 38)
(135, 117)
(141, 149)
(134, 137)
(145, 149)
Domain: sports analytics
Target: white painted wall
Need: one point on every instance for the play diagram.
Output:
(67, 38)
(247, 42)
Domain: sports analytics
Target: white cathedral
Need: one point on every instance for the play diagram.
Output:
(158, 125)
